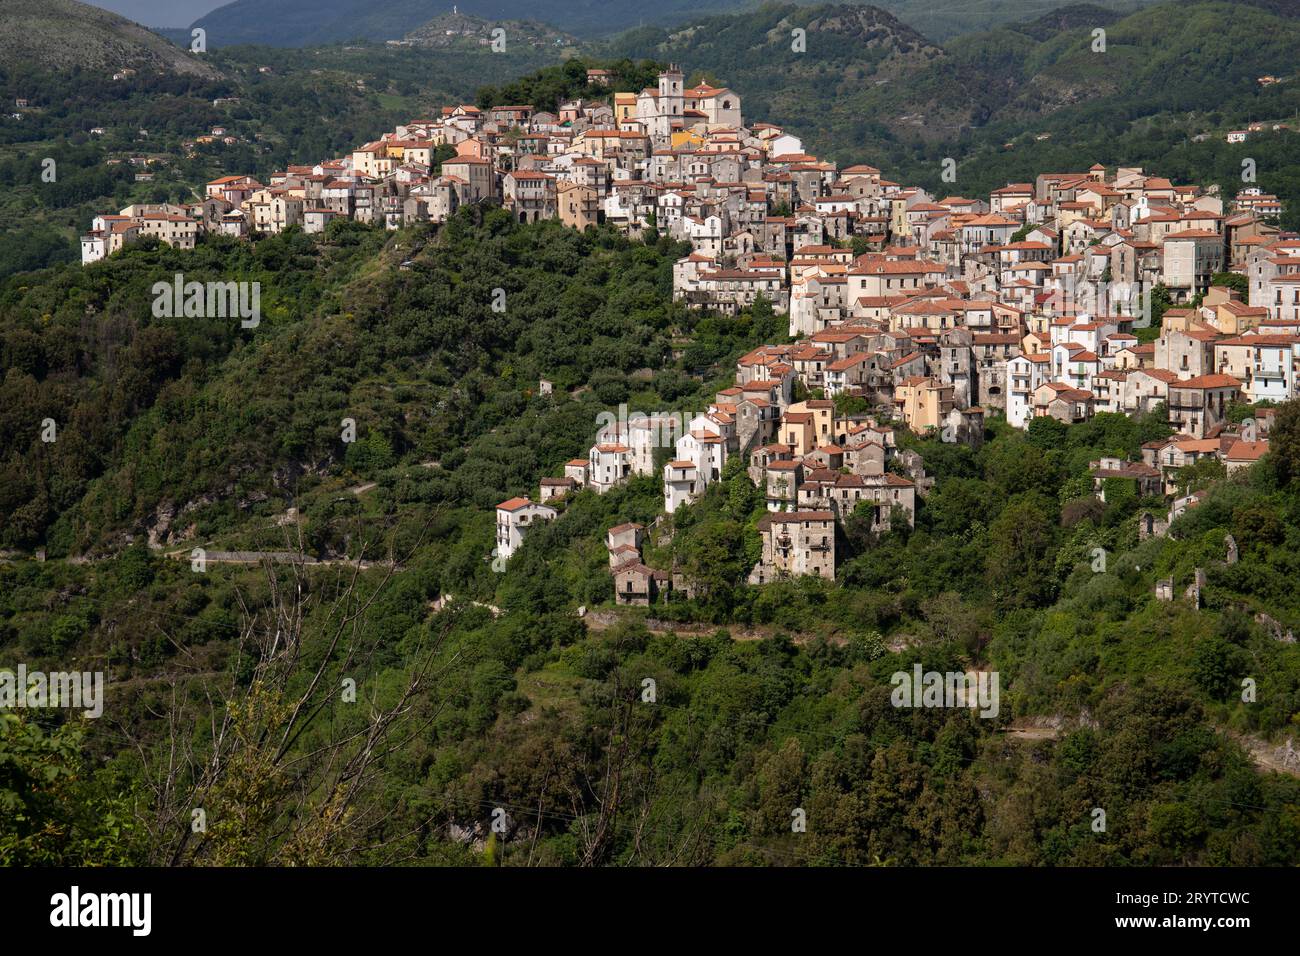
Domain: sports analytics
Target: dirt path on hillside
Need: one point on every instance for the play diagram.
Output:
(604, 620)
(1280, 758)
(274, 557)
(1034, 728)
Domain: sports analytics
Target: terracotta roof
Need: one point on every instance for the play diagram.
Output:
(1208, 381)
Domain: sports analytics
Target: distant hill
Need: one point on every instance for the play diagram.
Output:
(160, 13)
(1282, 8)
(63, 34)
(845, 48)
(1068, 18)
(871, 87)
(313, 22)
(943, 21)
(463, 30)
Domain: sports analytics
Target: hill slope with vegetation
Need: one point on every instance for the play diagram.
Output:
(378, 687)
(310, 22)
(191, 433)
(65, 34)
(1008, 103)
(280, 106)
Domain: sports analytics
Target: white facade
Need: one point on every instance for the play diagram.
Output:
(681, 484)
(514, 518)
(1025, 374)
(608, 465)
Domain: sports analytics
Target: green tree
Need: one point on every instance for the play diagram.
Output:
(1234, 281)
(1284, 442)
(55, 813)
(1020, 564)
(136, 567)
(1046, 432)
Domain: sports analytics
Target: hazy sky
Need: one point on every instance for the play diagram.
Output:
(160, 13)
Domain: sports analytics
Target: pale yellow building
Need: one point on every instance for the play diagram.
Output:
(922, 402)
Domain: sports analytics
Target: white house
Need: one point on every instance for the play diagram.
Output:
(514, 518)
(1025, 374)
(681, 484)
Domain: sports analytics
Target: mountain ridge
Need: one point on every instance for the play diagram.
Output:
(453, 29)
(310, 22)
(1194, 64)
(65, 34)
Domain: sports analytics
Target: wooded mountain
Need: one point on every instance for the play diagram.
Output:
(185, 433)
(313, 22)
(182, 432)
(1171, 80)
(464, 30)
(64, 34)
(942, 21)
(309, 22)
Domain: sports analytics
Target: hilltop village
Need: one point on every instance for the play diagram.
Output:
(935, 311)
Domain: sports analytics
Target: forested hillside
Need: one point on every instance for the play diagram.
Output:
(416, 357)
(1004, 104)
(281, 107)
(302, 23)
(1010, 102)
(278, 542)
(957, 17)
(502, 695)
(66, 35)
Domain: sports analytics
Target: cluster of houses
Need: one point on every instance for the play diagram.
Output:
(1157, 474)
(635, 583)
(817, 469)
(1024, 302)
(936, 312)
(603, 159)
(933, 311)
